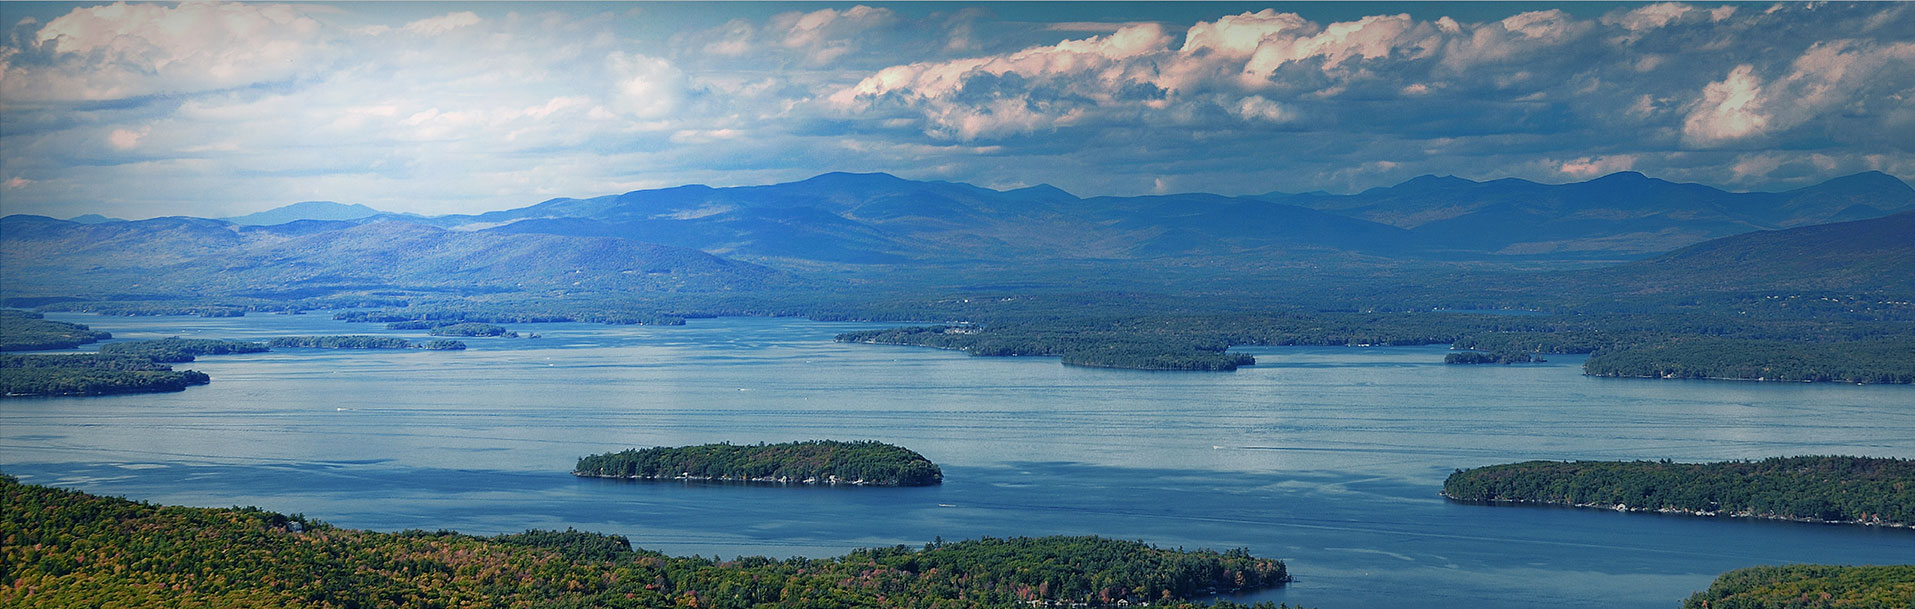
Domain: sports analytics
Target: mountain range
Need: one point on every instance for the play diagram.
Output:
(698, 238)
(842, 218)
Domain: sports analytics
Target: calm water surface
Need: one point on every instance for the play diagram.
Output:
(1329, 458)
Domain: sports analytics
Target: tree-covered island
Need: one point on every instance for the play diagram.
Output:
(1859, 490)
(810, 462)
(71, 549)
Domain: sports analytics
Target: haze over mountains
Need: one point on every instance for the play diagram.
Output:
(698, 238)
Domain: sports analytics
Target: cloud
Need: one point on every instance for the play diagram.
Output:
(1729, 109)
(127, 139)
(434, 26)
(647, 87)
(487, 106)
(1583, 168)
(122, 50)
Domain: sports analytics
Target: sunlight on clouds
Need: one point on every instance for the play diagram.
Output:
(1596, 166)
(648, 87)
(124, 50)
(457, 106)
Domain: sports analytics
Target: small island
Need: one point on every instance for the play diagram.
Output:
(1500, 357)
(825, 462)
(1855, 490)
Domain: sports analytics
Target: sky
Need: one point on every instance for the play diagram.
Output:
(219, 109)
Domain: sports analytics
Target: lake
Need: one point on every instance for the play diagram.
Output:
(1328, 458)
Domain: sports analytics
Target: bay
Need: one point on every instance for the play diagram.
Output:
(1329, 458)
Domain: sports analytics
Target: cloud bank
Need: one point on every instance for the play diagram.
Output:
(214, 109)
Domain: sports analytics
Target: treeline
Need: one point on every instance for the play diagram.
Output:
(1500, 357)
(30, 331)
(1877, 361)
(1810, 587)
(1829, 350)
(90, 374)
(176, 350)
(1098, 349)
(67, 549)
(810, 462)
(472, 329)
(1829, 489)
(527, 312)
(341, 342)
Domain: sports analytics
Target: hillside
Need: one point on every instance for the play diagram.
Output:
(186, 256)
(1624, 214)
(1874, 255)
(305, 210)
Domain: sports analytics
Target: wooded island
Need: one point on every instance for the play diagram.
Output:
(811, 462)
(1858, 490)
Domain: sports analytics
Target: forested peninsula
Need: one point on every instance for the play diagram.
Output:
(173, 350)
(66, 548)
(30, 331)
(1858, 490)
(812, 462)
(90, 374)
(1810, 586)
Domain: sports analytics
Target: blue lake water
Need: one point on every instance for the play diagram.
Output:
(1328, 458)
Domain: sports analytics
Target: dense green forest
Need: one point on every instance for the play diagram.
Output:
(175, 350)
(1858, 350)
(1810, 587)
(1699, 357)
(471, 328)
(443, 345)
(341, 342)
(67, 549)
(810, 462)
(28, 331)
(1502, 357)
(1832, 489)
(90, 374)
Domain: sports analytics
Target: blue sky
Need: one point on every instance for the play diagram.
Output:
(215, 109)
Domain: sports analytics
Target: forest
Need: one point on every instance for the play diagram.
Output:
(1810, 587)
(341, 342)
(1695, 357)
(1861, 490)
(809, 462)
(174, 350)
(30, 331)
(90, 374)
(1500, 357)
(1699, 343)
(66, 548)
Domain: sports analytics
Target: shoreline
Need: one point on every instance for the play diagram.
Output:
(1618, 507)
(780, 481)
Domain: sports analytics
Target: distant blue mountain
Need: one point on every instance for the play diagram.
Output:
(883, 219)
(305, 210)
(93, 219)
(1623, 214)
